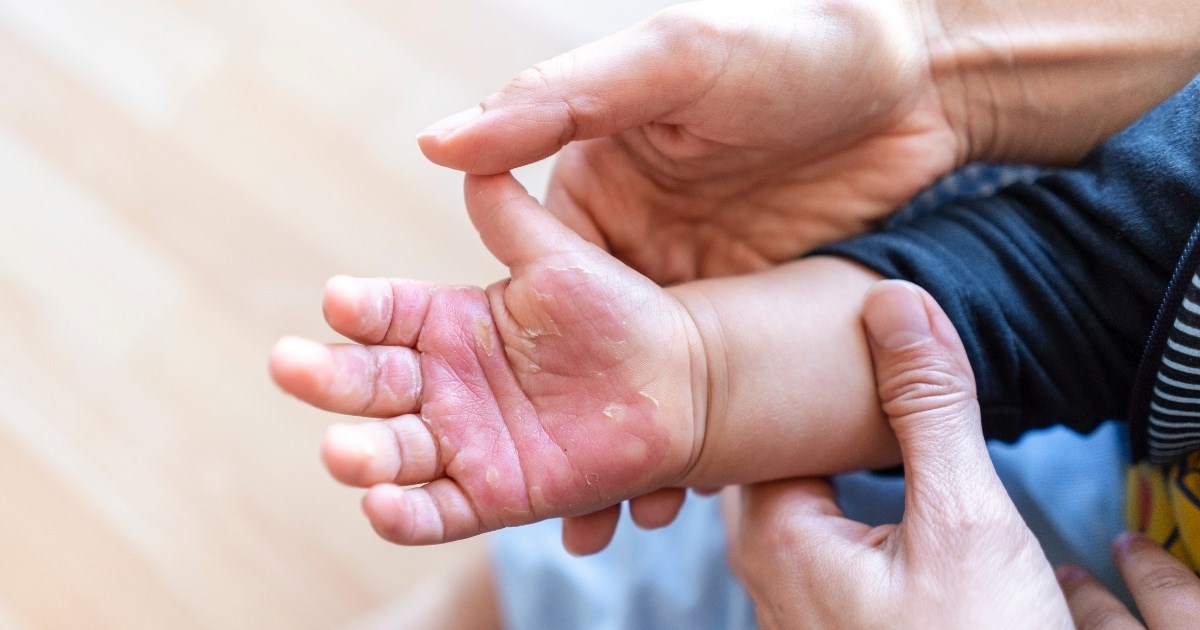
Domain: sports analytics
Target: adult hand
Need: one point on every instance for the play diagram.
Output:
(718, 138)
(722, 137)
(1166, 592)
(961, 557)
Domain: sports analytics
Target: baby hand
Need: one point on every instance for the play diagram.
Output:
(562, 391)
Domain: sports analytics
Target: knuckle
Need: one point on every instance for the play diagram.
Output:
(534, 80)
(1169, 578)
(706, 19)
(672, 22)
(676, 24)
(540, 78)
(540, 75)
(692, 31)
(921, 385)
(548, 84)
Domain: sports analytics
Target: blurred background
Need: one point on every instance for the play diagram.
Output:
(178, 178)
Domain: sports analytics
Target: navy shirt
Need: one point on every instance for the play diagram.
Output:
(1055, 285)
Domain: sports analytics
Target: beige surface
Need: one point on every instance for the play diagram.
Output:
(177, 180)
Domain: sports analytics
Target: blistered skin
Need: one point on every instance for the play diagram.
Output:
(560, 391)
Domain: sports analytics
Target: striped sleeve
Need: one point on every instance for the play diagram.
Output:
(1173, 422)
(1060, 287)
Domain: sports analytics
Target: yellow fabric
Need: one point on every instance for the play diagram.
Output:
(1164, 503)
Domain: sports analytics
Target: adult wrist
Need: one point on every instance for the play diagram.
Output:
(1043, 81)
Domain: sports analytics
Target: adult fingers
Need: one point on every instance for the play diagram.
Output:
(1092, 606)
(1166, 592)
(927, 391)
(802, 562)
(617, 83)
(767, 522)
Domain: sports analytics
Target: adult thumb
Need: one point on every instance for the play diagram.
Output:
(617, 83)
(927, 390)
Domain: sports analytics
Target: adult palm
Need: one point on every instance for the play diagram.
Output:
(713, 139)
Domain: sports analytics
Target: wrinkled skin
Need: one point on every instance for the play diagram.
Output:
(717, 138)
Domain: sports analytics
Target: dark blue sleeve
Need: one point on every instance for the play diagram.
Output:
(1054, 284)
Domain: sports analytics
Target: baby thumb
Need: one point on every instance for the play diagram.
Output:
(515, 227)
(927, 390)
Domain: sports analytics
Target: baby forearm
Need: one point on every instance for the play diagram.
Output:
(1045, 81)
(791, 386)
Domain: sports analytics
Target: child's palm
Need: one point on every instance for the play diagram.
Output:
(559, 392)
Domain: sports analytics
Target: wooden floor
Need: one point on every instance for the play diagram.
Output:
(177, 180)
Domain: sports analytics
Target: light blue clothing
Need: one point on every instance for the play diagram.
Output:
(1069, 488)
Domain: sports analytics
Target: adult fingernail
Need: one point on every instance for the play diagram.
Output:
(1122, 543)
(896, 316)
(451, 123)
(1069, 573)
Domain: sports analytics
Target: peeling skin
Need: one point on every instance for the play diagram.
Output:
(537, 499)
(417, 380)
(513, 515)
(591, 478)
(534, 333)
(483, 334)
(583, 270)
(546, 326)
(493, 476)
(650, 398)
(619, 348)
(615, 412)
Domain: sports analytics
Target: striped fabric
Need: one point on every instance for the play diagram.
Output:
(1174, 420)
